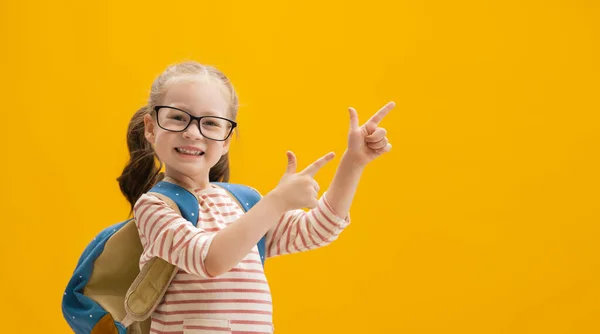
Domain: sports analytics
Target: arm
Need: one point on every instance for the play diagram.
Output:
(295, 190)
(343, 187)
(164, 233)
(233, 243)
(365, 143)
(298, 231)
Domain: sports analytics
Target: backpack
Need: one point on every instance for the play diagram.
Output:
(108, 293)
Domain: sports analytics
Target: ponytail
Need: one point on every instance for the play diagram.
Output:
(141, 171)
(220, 171)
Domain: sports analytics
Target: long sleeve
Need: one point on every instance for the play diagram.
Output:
(165, 234)
(299, 230)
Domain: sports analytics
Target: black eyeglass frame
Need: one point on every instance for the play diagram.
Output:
(193, 118)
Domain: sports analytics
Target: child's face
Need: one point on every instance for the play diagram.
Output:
(198, 98)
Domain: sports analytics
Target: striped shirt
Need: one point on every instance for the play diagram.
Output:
(238, 301)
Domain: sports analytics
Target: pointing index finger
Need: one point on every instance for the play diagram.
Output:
(313, 168)
(381, 113)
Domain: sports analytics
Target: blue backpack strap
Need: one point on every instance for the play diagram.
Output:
(247, 197)
(188, 202)
(185, 200)
(138, 304)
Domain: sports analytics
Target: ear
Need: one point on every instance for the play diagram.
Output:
(149, 128)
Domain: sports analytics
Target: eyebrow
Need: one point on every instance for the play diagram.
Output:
(185, 108)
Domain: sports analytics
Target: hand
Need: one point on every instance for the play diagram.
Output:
(367, 142)
(299, 190)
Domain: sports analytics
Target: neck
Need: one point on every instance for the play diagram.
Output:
(186, 182)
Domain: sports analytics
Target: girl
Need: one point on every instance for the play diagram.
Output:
(221, 286)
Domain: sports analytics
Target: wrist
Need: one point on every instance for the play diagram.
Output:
(353, 161)
(276, 202)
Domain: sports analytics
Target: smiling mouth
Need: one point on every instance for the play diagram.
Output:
(189, 152)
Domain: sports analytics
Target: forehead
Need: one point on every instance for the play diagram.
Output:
(198, 97)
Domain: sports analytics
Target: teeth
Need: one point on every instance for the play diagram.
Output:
(184, 151)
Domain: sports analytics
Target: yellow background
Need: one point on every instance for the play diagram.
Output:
(484, 218)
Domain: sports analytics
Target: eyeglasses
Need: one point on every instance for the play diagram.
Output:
(177, 120)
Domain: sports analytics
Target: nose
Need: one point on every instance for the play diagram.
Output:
(193, 131)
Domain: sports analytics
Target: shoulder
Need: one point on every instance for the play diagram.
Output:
(148, 200)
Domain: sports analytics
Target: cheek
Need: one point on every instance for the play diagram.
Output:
(215, 147)
(162, 141)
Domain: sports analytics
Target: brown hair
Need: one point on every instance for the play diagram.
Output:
(142, 171)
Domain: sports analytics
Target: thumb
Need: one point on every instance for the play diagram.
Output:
(353, 119)
(291, 166)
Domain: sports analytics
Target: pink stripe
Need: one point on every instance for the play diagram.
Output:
(220, 204)
(236, 322)
(150, 227)
(201, 259)
(327, 218)
(275, 233)
(226, 214)
(208, 328)
(216, 196)
(156, 222)
(176, 292)
(241, 270)
(220, 280)
(193, 245)
(308, 227)
(285, 230)
(293, 242)
(162, 245)
(251, 261)
(138, 206)
(278, 237)
(178, 243)
(184, 263)
(299, 233)
(251, 322)
(167, 323)
(314, 229)
(321, 223)
(147, 228)
(164, 225)
(161, 312)
(217, 301)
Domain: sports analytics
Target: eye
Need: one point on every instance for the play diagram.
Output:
(177, 118)
(210, 123)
